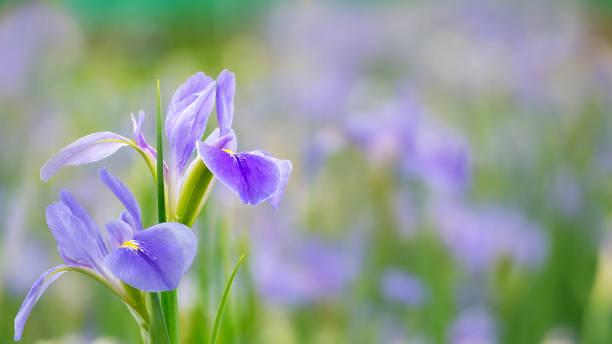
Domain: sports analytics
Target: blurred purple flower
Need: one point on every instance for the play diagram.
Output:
(439, 157)
(473, 326)
(399, 286)
(477, 237)
(565, 193)
(293, 271)
(152, 260)
(32, 33)
(421, 147)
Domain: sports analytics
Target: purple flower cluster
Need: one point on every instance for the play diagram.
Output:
(255, 175)
(155, 259)
(477, 237)
(152, 259)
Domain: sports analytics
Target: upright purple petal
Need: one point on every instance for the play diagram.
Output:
(35, 292)
(285, 167)
(139, 136)
(226, 89)
(123, 194)
(72, 235)
(87, 149)
(188, 113)
(152, 261)
(129, 219)
(93, 230)
(118, 232)
(227, 141)
(253, 177)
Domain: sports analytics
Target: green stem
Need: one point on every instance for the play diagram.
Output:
(168, 308)
(161, 206)
(213, 334)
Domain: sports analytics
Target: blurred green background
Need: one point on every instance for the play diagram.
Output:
(451, 178)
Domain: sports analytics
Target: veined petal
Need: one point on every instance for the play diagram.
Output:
(226, 89)
(185, 237)
(35, 292)
(92, 228)
(123, 194)
(72, 235)
(187, 115)
(152, 261)
(285, 167)
(253, 177)
(118, 232)
(87, 149)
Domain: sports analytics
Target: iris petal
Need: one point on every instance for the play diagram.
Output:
(285, 167)
(188, 113)
(253, 177)
(72, 235)
(123, 194)
(35, 292)
(87, 149)
(227, 141)
(139, 136)
(152, 261)
(185, 237)
(226, 89)
(93, 231)
(118, 232)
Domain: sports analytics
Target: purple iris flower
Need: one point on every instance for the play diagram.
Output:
(473, 325)
(153, 259)
(256, 175)
(478, 236)
(407, 289)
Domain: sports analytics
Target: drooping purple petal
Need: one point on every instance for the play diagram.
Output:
(226, 89)
(123, 194)
(139, 136)
(118, 232)
(152, 261)
(93, 231)
(188, 113)
(33, 295)
(285, 167)
(253, 177)
(185, 237)
(87, 149)
(72, 235)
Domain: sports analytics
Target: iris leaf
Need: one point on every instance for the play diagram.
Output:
(213, 334)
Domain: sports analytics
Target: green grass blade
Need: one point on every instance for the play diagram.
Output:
(213, 334)
(161, 198)
(168, 305)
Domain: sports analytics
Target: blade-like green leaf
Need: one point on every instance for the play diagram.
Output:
(168, 305)
(159, 334)
(213, 334)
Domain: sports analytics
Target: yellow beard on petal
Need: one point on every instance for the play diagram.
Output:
(229, 151)
(131, 244)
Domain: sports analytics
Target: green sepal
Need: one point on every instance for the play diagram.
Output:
(196, 186)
